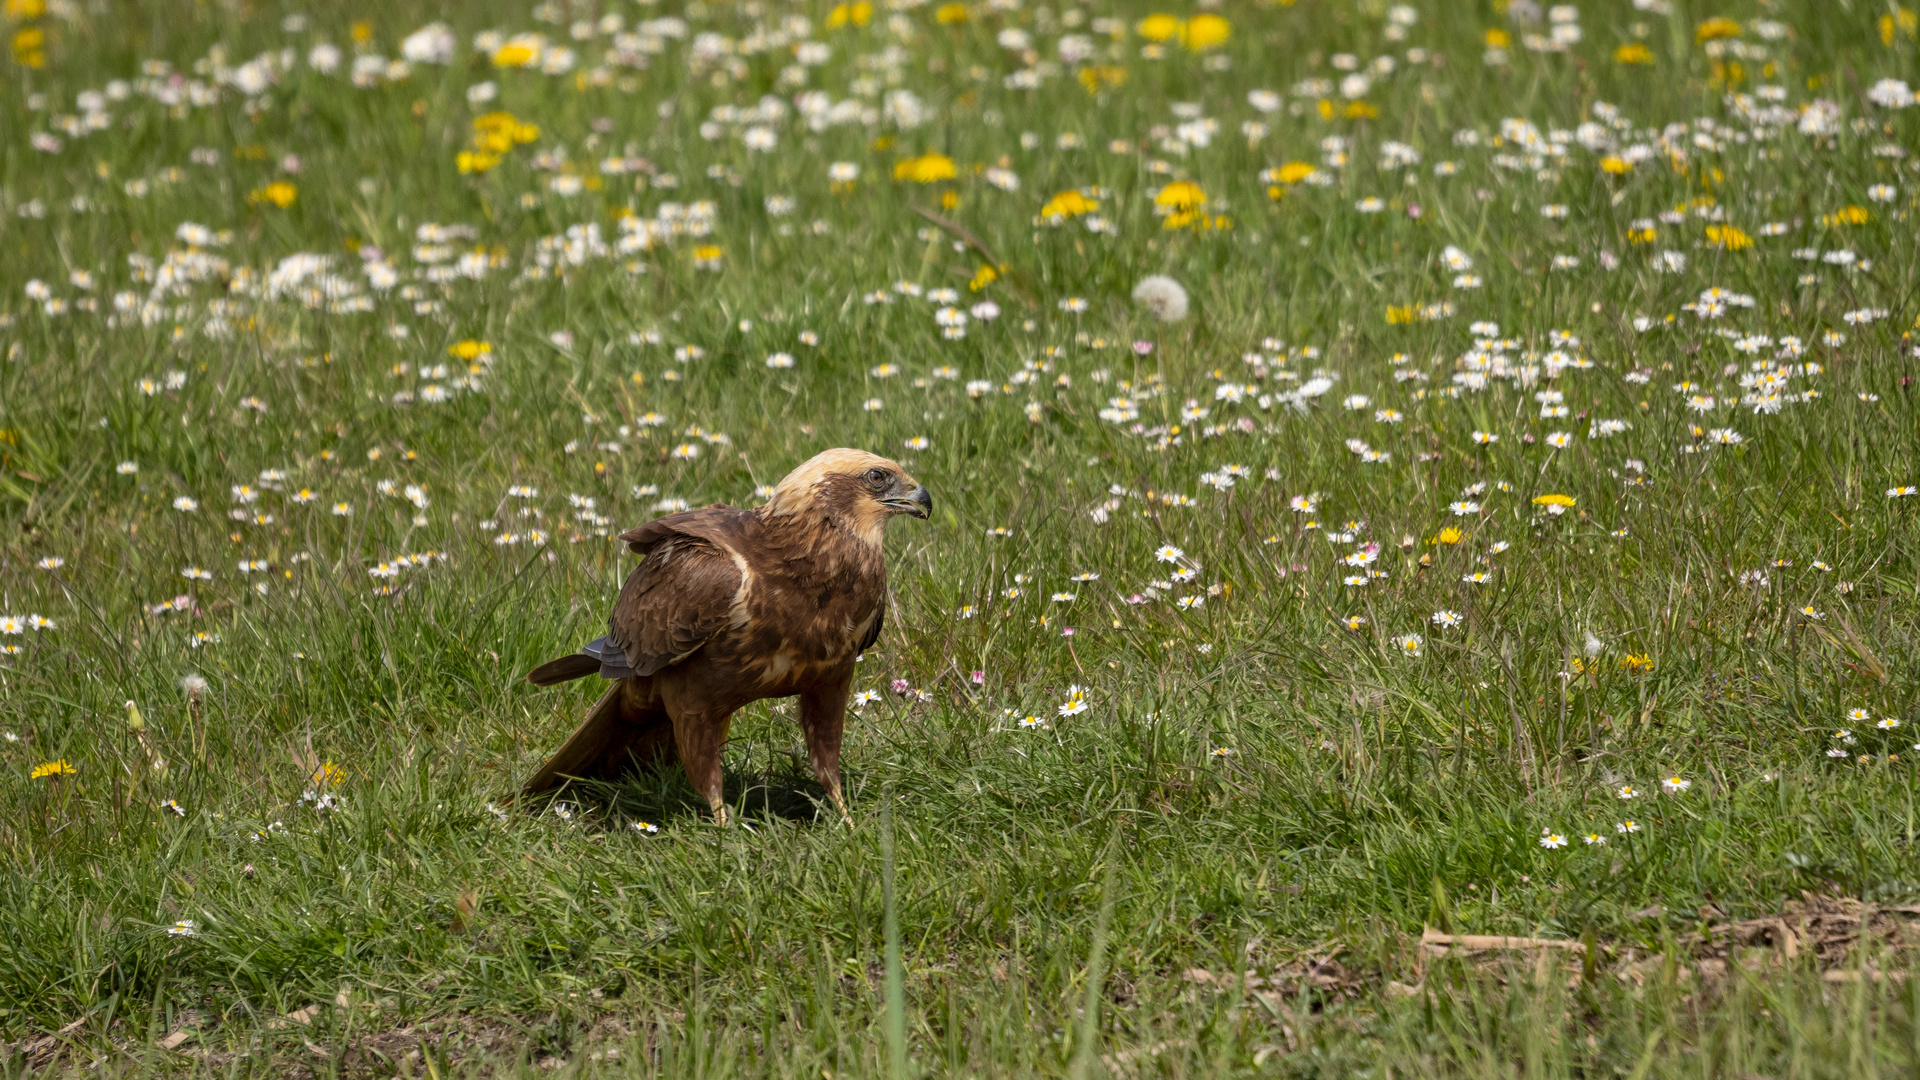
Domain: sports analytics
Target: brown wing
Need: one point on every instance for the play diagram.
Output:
(873, 635)
(686, 589)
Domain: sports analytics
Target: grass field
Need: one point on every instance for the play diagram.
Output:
(1513, 538)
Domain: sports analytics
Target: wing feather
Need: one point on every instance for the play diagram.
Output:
(873, 635)
(685, 590)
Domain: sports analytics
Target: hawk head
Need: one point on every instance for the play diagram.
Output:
(858, 490)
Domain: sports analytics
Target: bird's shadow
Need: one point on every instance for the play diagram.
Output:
(783, 789)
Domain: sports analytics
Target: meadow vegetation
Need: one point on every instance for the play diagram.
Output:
(1422, 582)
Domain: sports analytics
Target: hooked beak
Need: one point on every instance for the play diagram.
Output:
(918, 503)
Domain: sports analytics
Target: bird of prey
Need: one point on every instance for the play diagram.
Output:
(730, 606)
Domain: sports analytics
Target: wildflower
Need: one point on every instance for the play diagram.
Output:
(1887, 723)
(280, 193)
(1715, 28)
(1674, 785)
(1627, 791)
(644, 828)
(1066, 204)
(186, 504)
(1031, 722)
(1164, 298)
(1409, 644)
(1354, 622)
(12, 624)
(1446, 619)
(1552, 840)
(1076, 702)
(865, 697)
(1594, 839)
(1169, 554)
(928, 168)
(1204, 31)
(178, 810)
(1178, 196)
(183, 928)
(52, 768)
(1626, 827)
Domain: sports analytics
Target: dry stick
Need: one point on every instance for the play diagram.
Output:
(1486, 941)
(978, 245)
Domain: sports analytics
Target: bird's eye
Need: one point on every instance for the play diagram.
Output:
(877, 476)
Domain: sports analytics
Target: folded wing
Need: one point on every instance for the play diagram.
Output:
(690, 585)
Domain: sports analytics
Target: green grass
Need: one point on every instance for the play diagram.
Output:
(1269, 782)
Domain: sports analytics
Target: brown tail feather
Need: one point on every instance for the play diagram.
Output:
(615, 736)
(576, 666)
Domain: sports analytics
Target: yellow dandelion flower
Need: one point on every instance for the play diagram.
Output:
(1293, 172)
(859, 14)
(280, 193)
(926, 169)
(1180, 195)
(515, 54)
(1717, 27)
(1158, 27)
(53, 768)
(1068, 204)
(1729, 237)
(1205, 31)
